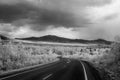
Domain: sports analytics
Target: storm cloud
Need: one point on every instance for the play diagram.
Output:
(86, 19)
(39, 16)
(67, 13)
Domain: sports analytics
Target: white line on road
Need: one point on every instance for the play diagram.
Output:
(47, 77)
(86, 78)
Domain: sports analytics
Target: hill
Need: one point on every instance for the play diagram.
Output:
(2, 37)
(52, 38)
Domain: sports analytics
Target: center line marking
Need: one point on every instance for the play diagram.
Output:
(47, 76)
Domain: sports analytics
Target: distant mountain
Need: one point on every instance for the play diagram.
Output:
(2, 37)
(101, 41)
(52, 38)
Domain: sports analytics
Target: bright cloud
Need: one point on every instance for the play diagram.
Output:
(26, 31)
(98, 13)
(106, 18)
(63, 32)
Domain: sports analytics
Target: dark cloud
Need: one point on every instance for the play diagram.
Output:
(58, 18)
(9, 13)
(45, 13)
(21, 14)
(38, 17)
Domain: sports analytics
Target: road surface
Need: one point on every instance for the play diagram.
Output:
(65, 69)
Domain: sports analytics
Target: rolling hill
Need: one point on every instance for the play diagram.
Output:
(2, 37)
(52, 38)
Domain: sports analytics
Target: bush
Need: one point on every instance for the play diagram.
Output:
(15, 56)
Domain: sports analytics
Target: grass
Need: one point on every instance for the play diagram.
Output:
(111, 64)
(16, 56)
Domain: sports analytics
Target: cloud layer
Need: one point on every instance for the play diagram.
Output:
(106, 17)
(84, 19)
(41, 13)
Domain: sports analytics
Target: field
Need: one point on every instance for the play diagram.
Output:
(17, 55)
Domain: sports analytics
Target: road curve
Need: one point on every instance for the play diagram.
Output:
(66, 69)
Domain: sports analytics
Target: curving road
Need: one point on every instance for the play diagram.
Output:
(65, 69)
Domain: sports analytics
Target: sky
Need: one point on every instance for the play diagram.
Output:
(75, 19)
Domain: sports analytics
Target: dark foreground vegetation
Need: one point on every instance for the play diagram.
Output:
(110, 68)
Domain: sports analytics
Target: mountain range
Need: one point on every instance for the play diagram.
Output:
(53, 38)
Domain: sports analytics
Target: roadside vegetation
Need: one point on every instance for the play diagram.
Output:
(109, 64)
(106, 58)
(16, 56)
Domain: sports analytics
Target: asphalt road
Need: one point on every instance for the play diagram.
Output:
(65, 69)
